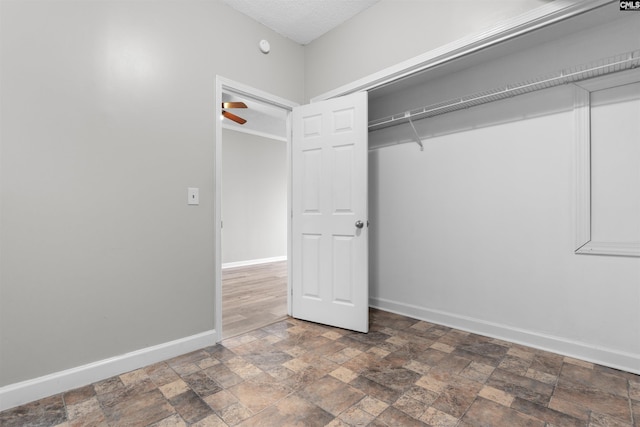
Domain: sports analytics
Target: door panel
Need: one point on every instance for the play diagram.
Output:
(329, 195)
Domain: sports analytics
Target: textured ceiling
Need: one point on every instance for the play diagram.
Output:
(301, 20)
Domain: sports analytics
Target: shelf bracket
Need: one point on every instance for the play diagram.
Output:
(415, 132)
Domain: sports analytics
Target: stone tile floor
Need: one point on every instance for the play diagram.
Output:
(404, 372)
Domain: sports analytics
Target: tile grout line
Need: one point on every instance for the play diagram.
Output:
(630, 402)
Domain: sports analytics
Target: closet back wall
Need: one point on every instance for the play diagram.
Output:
(477, 231)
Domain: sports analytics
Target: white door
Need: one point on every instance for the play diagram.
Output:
(329, 202)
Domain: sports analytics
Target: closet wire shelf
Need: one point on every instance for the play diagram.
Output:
(621, 62)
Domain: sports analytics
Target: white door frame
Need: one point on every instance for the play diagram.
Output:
(230, 86)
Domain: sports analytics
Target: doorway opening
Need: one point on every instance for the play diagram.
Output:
(254, 232)
(252, 209)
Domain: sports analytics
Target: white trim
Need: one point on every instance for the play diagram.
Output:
(253, 132)
(537, 18)
(243, 90)
(610, 248)
(582, 117)
(629, 362)
(227, 85)
(253, 262)
(28, 391)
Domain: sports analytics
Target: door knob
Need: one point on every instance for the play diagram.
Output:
(359, 224)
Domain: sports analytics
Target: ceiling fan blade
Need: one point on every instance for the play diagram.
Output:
(234, 105)
(233, 117)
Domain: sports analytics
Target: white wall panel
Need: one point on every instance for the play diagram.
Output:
(342, 269)
(615, 164)
(342, 187)
(310, 260)
(311, 202)
(608, 165)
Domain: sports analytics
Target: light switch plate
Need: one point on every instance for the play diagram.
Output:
(193, 196)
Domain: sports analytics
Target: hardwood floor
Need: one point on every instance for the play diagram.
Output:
(253, 297)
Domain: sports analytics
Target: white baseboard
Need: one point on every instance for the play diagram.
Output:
(253, 262)
(27, 391)
(600, 355)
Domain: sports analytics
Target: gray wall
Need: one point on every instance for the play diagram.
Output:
(107, 116)
(254, 197)
(393, 31)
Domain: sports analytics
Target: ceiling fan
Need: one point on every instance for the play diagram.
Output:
(231, 116)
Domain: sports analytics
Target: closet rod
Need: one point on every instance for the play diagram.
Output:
(609, 65)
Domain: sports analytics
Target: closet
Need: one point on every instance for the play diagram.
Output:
(475, 198)
(596, 43)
